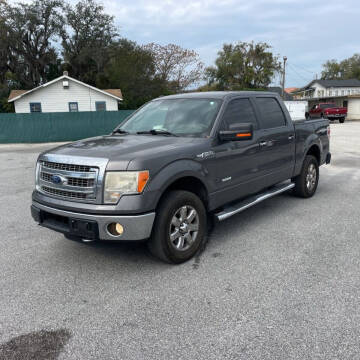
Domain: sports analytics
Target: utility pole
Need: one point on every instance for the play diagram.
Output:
(283, 78)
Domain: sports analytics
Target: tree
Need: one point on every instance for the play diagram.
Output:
(131, 68)
(242, 66)
(5, 106)
(30, 29)
(345, 69)
(3, 42)
(85, 45)
(331, 70)
(179, 68)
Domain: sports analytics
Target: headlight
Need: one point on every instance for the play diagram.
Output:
(118, 183)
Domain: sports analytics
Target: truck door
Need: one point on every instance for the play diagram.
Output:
(276, 138)
(235, 164)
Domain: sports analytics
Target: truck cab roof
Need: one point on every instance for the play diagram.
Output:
(217, 94)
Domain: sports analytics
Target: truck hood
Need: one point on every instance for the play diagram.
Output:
(120, 150)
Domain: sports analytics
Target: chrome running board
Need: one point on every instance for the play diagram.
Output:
(252, 200)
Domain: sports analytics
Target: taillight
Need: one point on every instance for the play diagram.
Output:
(328, 131)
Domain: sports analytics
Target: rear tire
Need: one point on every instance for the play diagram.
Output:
(306, 183)
(341, 120)
(180, 227)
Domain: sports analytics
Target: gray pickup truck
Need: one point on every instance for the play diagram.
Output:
(176, 163)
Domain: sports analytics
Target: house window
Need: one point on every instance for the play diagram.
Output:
(330, 92)
(336, 93)
(35, 107)
(349, 92)
(100, 105)
(342, 92)
(73, 107)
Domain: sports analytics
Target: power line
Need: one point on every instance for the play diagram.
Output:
(299, 75)
(302, 68)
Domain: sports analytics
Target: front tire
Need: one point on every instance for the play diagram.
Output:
(306, 183)
(180, 227)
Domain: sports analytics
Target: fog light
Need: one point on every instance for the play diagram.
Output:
(115, 229)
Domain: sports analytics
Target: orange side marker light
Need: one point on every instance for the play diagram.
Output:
(142, 180)
(243, 135)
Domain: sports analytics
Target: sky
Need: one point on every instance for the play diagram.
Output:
(308, 32)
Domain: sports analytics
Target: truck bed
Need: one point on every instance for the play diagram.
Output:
(304, 129)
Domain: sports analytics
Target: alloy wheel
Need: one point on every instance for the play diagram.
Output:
(311, 177)
(184, 228)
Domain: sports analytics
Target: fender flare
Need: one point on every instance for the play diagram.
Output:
(175, 171)
(311, 141)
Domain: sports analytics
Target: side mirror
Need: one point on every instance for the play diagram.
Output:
(238, 132)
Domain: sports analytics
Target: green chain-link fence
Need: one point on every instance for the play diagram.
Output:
(52, 127)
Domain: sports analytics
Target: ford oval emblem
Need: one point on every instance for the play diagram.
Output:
(56, 179)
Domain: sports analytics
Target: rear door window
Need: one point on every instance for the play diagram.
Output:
(239, 111)
(272, 115)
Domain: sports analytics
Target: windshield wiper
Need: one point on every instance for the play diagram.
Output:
(157, 132)
(119, 131)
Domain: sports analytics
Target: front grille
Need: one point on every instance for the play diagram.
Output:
(72, 181)
(66, 167)
(80, 182)
(76, 183)
(46, 177)
(63, 193)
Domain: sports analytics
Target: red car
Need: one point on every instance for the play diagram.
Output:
(327, 111)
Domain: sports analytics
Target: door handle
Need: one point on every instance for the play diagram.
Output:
(263, 143)
(291, 137)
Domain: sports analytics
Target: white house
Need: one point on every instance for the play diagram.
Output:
(65, 94)
(341, 92)
(318, 89)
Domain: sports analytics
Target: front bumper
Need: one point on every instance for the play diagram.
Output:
(90, 226)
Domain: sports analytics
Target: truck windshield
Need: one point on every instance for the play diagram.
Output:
(181, 117)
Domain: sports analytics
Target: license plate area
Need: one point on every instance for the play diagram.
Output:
(84, 228)
(81, 228)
